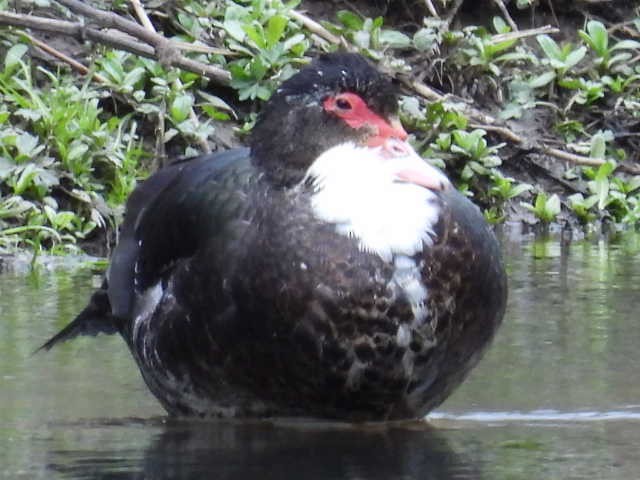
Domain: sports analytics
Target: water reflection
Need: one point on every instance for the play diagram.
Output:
(557, 395)
(230, 450)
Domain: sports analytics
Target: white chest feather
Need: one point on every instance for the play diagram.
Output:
(358, 189)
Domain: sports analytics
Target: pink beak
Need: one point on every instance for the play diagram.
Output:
(410, 167)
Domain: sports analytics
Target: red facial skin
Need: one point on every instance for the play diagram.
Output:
(389, 135)
(355, 113)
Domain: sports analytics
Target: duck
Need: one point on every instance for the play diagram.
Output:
(325, 271)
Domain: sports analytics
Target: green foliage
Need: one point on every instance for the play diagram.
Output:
(608, 58)
(545, 208)
(62, 167)
(268, 43)
(368, 35)
(504, 188)
(70, 151)
(474, 146)
(488, 51)
(560, 58)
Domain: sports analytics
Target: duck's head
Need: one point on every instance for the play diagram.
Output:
(335, 116)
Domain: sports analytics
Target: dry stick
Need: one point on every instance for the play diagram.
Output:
(452, 13)
(120, 42)
(144, 19)
(431, 8)
(315, 27)
(142, 15)
(505, 12)
(165, 50)
(65, 58)
(502, 131)
(553, 12)
(75, 30)
(503, 37)
(572, 157)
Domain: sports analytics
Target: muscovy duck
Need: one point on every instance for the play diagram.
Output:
(326, 270)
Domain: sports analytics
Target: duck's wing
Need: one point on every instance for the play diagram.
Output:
(166, 217)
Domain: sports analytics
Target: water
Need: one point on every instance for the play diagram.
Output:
(557, 396)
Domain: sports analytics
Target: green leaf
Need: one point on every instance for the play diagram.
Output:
(500, 26)
(296, 39)
(14, 55)
(394, 39)
(620, 57)
(258, 68)
(519, 190)
(350, 20)
(25, 179)
(552, 206)
(27, 144)
(133, 76)
(598, 36)
(424, 39)
(181, 107)
(78, 150)
(542, 79)
(255, 32)
(626, 45)
(234, 29)
(549, 47)
(575, 57)
(602, 184)
(275, 29)
(598, 146)
(633, 184)
(362, 39)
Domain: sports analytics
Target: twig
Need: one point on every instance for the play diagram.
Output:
(503, 37)
(165, 51)
(65, 58)
(430, 94)
(120, 42)
(315, 27)
(502, 131)
(505, 12)
(452, 13)
(142, 15)
(553, 12)
(431, 8)
(572, 157)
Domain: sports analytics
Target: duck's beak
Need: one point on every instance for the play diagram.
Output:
(408, 166)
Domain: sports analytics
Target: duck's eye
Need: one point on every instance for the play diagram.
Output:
(343, 104)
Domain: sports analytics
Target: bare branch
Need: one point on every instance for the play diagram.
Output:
(503, 37)
(116, 40)
(315, 27)
(142, 15)
(431, 8)
(65, 58)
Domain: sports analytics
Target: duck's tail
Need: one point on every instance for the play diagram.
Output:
(94, 319)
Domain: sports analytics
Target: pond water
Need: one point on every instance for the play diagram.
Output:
(556, 397)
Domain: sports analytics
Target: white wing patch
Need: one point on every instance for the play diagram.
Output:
(145, 305)
(407, 277)
(357, 189)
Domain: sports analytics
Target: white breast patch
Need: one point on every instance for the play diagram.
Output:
(357, 189)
